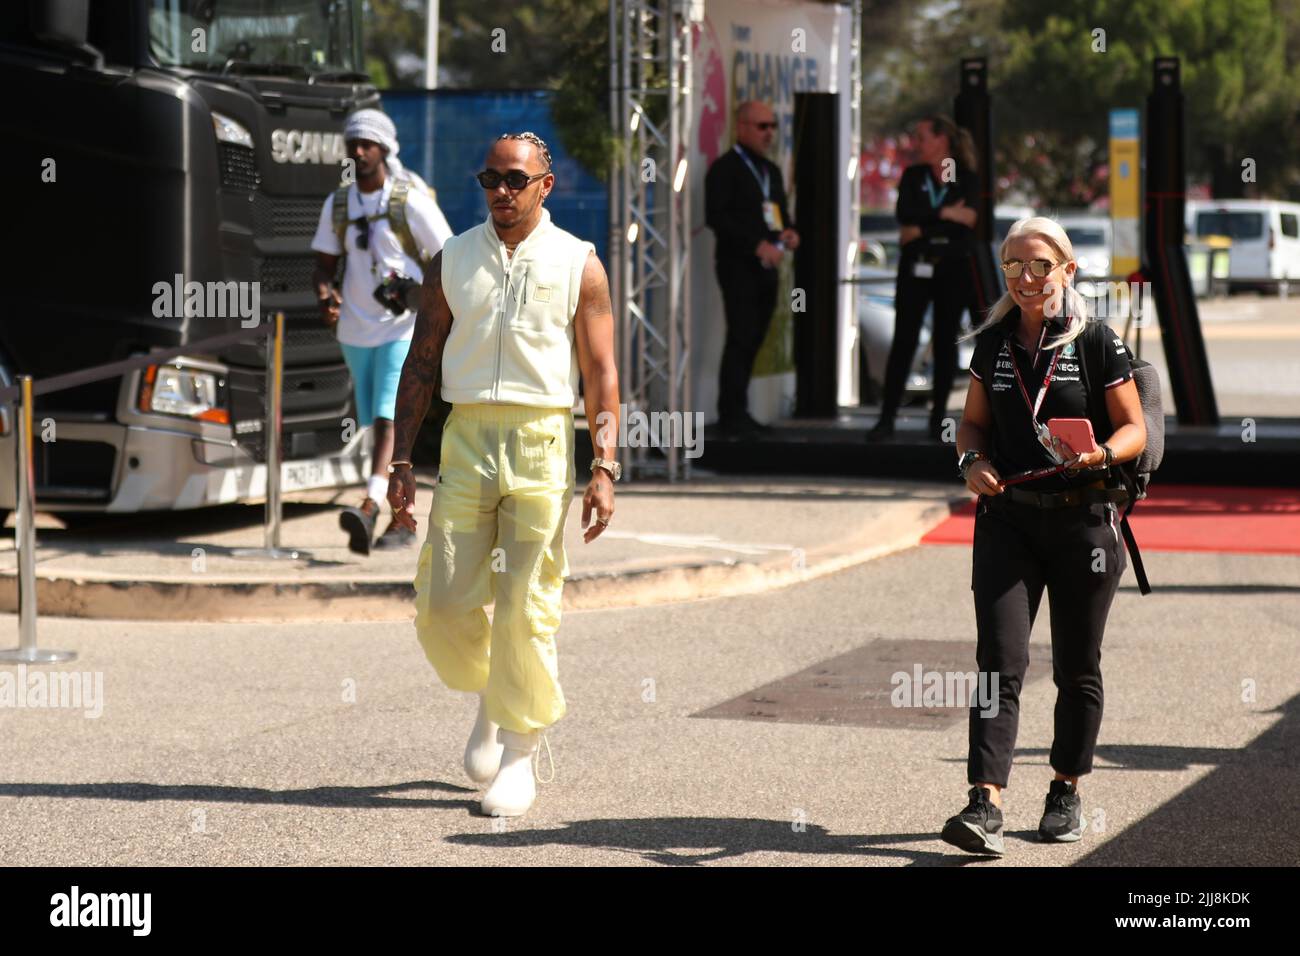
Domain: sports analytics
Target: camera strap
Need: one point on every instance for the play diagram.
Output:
(367, 219)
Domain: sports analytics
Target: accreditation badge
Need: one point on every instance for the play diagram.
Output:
(772, 216)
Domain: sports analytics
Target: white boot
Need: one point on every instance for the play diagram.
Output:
(514, 789)
(483, 752)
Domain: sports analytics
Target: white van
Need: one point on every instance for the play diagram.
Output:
(1265, 236)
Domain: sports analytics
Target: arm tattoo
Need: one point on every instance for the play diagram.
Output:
(423, 367)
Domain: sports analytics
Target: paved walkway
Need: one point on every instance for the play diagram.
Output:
(666, 543)
(332, 743)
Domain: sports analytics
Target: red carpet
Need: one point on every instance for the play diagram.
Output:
(1189, 518)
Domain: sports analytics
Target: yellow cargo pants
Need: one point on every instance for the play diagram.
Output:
(496, 535)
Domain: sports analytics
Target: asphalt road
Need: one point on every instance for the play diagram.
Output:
(333, 743)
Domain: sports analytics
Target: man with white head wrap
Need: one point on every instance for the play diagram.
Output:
(391, 229)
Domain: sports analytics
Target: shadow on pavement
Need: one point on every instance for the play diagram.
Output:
(1218, 588)
(671, 840)
(172, 524)
(1147, 756)
(377, 797)
(1243, 813)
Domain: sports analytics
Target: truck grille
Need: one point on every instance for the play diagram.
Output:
(286, 273)
(306, 342)
(238, 168)
(286, 217)
(316, 402)
(73, 470)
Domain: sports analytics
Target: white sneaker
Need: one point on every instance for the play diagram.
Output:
(515, 788)
(483, 752)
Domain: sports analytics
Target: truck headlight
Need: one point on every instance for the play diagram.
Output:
(228, 131)
(176, 390)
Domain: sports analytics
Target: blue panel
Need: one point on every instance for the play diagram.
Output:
(1124, 124)
(445, 135)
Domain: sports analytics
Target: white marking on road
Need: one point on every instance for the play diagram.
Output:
(669, 540)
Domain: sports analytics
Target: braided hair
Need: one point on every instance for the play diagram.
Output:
(536, 140)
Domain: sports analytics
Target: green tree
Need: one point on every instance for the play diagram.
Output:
(393, 33)
(1056, 84)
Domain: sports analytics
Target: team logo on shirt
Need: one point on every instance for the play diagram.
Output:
(1068, 350)
(1003, 376)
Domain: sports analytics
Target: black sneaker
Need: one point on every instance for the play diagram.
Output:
(978, 828)
(359, 523)
(1063, 820)
(755, 424)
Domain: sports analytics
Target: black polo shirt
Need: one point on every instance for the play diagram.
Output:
(917, 192)
(1015, 447)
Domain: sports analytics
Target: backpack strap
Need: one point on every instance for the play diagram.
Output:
(340, 218)
(1093, 353)
(401, 225)
(340, 212)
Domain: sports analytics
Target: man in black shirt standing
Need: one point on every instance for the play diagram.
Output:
(745, 206)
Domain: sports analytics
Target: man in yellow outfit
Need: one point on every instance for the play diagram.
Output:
(511, 310)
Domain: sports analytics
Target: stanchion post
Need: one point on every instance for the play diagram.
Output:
(25, 538)
(273, 430)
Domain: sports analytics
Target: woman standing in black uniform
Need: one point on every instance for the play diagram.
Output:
(1057, 531)
(936, 212)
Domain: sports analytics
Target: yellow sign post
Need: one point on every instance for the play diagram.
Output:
(1125, 192)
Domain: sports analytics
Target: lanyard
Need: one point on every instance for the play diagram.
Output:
(935, 201)
(1040, 431)
(1047, 379)
(764, 181)
(368, 220)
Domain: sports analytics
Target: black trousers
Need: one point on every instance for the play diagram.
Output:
(748, 300)
(952, 289)
(1078, 555)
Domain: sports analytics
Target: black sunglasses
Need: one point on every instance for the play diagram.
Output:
(363, 233)
(516, 179)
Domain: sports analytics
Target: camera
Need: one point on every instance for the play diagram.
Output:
(398, 293)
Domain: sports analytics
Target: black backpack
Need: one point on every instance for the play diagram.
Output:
(1136, 475)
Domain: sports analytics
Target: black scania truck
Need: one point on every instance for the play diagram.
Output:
(174, 156)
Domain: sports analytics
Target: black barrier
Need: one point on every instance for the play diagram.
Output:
(972, 110)
(1165, 263)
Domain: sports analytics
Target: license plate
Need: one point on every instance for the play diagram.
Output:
(307, 474)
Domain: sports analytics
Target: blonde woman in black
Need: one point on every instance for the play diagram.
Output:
(1047, 520)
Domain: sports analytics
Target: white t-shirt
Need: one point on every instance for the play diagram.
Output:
(362, 320)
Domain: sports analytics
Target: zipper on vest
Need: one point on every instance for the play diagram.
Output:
(501, 319)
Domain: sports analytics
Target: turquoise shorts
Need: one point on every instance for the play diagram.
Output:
(375, 373)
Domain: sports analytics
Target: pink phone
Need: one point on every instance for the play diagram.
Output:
(1075, 432)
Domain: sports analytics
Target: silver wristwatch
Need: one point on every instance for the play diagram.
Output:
(614, 469)
(968, 459)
